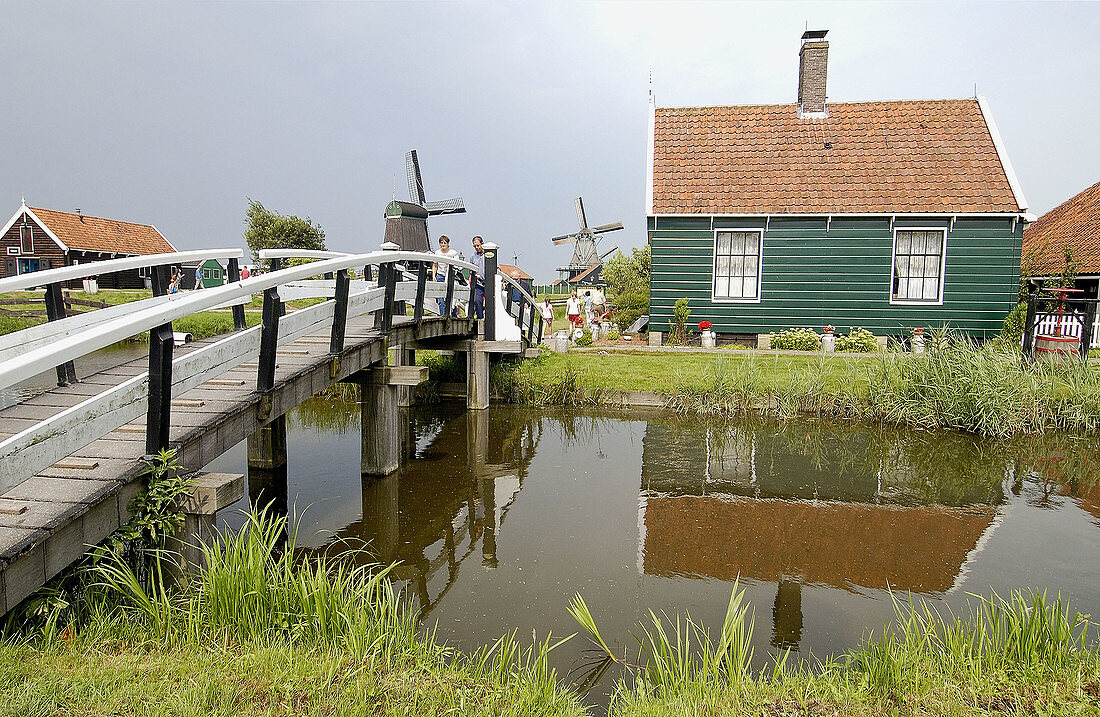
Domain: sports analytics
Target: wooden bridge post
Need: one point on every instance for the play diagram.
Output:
(267, 447)
(477, 377)
(421, 290)
(384, 425)
(404, 357)
(234, 270)
(449, 301)
(158, 420)
(491, 291)
(269, 340)
(55, 309)
(340, 312)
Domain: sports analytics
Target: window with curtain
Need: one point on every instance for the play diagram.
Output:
(737, 265)
(918, 263)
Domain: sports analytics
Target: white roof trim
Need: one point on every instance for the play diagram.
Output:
(651, 132)
(1002, 154)
(38, 221)
(164, 238)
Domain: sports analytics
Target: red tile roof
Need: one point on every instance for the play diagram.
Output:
(514, 271)
(1074, 224)
(82, 232)
(885, 157)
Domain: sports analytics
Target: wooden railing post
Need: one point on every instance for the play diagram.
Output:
(1086, 329)
(158, 420)
(234, 270)
(391, 274)
(473, 290)
(275, 264)
(508, 301)
(269, 340)
(340, 312)
(490, 292)
(1028, 352)
(449, 300)
(55, 310)
(531, 320)
(541, 324)
(421, 290)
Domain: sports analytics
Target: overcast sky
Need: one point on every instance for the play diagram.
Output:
(172, 114)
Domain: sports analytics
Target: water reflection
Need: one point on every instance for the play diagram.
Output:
(432, 520)
(501, 516)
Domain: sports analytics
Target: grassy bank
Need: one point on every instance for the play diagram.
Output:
(259, 632)
(984, 390)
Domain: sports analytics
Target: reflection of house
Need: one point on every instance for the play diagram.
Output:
(827, 502)
(36, 239)
(844, 544)
(884, 215)
(1074, 226)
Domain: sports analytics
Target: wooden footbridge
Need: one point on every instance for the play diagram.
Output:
(71, 457)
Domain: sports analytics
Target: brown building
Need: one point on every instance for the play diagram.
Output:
(36, 239)
(1074, 226)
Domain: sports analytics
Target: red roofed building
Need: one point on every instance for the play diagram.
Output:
(885, 215)
(36, 239)
(1073, 225)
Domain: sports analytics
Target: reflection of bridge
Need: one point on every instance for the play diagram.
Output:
(432, 516)
(70, 458)
(835, 505)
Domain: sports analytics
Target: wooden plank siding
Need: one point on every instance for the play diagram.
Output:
(46, 248)
(813, 275)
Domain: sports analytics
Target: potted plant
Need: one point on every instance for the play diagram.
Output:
(917, 343)
(707, 334)
(828, 340)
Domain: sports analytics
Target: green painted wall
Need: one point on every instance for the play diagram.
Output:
(841, 276)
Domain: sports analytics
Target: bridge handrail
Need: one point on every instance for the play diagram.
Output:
(95, 268)
(69, 348)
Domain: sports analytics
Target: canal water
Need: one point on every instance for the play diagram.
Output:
(503, 515)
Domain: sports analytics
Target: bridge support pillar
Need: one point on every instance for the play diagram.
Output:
(385, 426)
(405, 357)
(477, 378)
(267, 446)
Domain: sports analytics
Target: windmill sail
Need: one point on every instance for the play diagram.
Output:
(417, 194)
(585, 239)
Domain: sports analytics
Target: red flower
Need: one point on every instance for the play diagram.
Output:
(705, 325)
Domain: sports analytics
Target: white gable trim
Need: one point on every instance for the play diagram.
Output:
(651, 132)
(1002, 154)
(41, 225)
(164, 238)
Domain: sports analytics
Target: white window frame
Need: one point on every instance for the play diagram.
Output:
(894, 265)
(714, 297)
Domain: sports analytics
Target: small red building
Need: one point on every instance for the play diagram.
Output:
(36, 239)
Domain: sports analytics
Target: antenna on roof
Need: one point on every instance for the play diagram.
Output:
(975, 90)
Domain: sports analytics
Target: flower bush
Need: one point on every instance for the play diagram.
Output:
(585, 339)
(613, 335)
(705, 325)
(796, 340)
(858, 340)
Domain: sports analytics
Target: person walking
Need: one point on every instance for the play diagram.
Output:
(588, 307)
(599, 305)
(573, 309)
(547, 312)
(441, 270)
(245, 273)
(478, 277)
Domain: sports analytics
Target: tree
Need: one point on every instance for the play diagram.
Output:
(265, 229)
(627, 279)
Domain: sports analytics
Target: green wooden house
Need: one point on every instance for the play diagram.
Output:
(885, 215)
(210, 272)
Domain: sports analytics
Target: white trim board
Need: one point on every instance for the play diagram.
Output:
(1002, 154)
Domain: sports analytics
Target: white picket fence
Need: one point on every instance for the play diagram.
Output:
(1071, 324)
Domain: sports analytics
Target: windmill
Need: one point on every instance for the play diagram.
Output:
(584, 243)
(407, 222)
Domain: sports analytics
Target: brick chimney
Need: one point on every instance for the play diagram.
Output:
(813, 65)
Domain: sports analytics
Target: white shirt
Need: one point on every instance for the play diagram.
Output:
(547, 311)
(573, 305)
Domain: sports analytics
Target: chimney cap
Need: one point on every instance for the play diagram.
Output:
(814, 35)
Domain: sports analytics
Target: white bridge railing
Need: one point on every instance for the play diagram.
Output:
(47, 442)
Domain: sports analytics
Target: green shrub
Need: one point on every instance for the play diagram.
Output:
(858, 341)
(796, 340)
(613, 335)
(1012, 330)
(678, 332)
(585, 339)
(630, 306)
